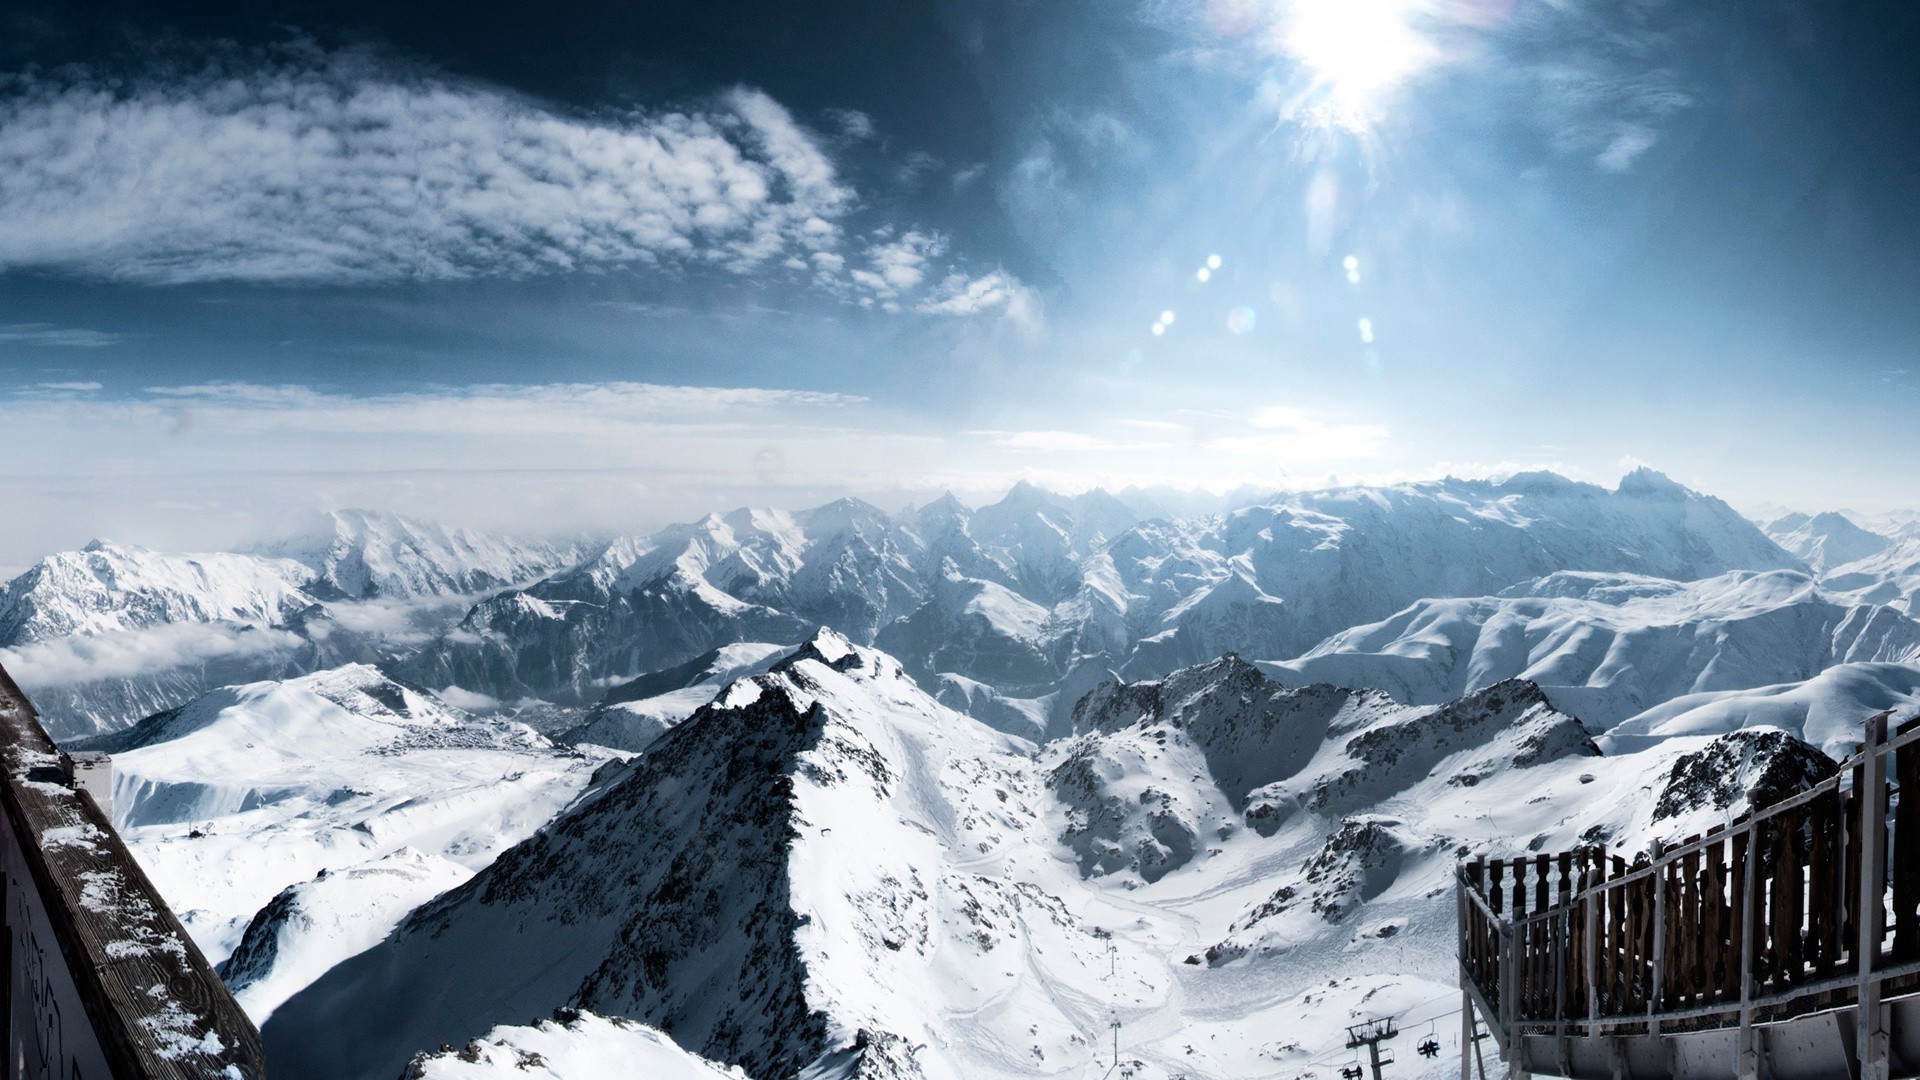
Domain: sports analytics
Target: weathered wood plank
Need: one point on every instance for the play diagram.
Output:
(153, 1002)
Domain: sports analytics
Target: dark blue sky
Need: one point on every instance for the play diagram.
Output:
(930, 245)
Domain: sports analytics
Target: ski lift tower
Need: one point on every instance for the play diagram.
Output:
(1370, 1035)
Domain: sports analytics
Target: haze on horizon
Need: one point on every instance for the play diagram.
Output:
(627, 263)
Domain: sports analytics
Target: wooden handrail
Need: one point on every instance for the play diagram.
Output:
(1763, 918)
(110, 980)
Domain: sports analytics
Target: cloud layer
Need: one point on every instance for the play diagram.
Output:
(332, 168)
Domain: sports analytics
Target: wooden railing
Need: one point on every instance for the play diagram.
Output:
(98, 979)
(1783, 912)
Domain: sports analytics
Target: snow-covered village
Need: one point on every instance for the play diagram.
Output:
(1214, 540)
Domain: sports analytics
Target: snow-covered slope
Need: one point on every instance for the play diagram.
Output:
(581, 1046)
(247, 790)
(1891, 577)
(1608, 646)
(362, 554)
(309, 927)
(1825, 710)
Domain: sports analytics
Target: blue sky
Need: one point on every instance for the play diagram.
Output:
(620, 264)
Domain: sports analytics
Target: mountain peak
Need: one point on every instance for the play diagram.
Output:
(1647, 481)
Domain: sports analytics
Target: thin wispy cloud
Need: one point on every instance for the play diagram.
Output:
(66, 337)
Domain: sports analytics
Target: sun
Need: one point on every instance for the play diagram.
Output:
(1356, 52)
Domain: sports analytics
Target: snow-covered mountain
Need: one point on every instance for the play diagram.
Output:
(1824, 541)
(823, 873)
(1608, 646)
(106, 588)
(1037, 596)
(106, 635)
(301, 813)
(364, 554)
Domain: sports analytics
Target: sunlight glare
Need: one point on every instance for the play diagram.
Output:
(1356, 50)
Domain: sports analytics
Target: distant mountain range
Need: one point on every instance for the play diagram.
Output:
(843, 794)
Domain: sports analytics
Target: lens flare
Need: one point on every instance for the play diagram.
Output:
(1241, 320)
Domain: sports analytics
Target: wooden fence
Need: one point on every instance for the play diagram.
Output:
(1785, 911)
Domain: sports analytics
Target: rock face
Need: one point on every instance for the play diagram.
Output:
(1165, 769)
(1741, 771)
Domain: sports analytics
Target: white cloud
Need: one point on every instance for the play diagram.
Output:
(997, 290)
(133, 653)
(332, 168)
(49, 334)
(573, 409)
(69, 387)
(898, 266)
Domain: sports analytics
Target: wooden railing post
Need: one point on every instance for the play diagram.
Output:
(1654, 998)
(1595, 872)
(1748, 856)
(1872, 1045)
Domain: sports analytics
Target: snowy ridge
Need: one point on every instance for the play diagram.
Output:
(1610, 646)
(107, 587)
(1038, 595)
(577, 1046)
(363, 554)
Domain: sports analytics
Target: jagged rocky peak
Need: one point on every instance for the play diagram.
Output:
(1750, 769)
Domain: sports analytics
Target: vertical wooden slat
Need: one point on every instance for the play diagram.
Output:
(1715, 942)
(1789, 906)
(1620, 984)
(1905, 853)
(1825, 869)
(1738, 929)
(1689, 975)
